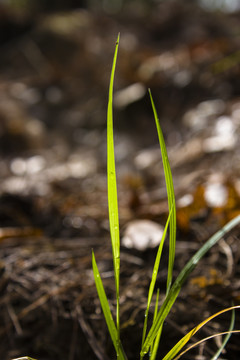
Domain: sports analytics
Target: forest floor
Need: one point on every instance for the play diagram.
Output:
(53, 194)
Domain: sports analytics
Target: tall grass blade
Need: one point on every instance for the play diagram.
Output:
(171, 196)
(156, 305)
(156, 344)
(106, 310)
(112, 190)
(154, 347)
(154, 277)
(175, 350)
(176, 287)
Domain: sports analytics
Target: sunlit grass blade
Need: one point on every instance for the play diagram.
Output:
(24, 358)
(154, 347)
(106, 310)
(156, 305)
(226, 338)
(154, 276)
(156, 344)
(175, 350)
(176, 287)
(206, 339)
(170, 193)
(112, 190)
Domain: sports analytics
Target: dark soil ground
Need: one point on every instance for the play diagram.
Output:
(54, 74)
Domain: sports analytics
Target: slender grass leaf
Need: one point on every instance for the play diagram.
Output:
(112, 189)
(154, 276)
(154, 347)
(156, 344)
(156, 305)
(104, 302)
(226, 338)
(176, 287)
(106, 310)
(170, 193)
(175, 350)
(24, 358)
(206, 339)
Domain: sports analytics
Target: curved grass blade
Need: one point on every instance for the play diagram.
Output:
(175, 350)
(170, 194)
(106, 310)
(154, 277)
(206, 339)
(112, 190)
(24, 358)
(176, 287)
(226, 338)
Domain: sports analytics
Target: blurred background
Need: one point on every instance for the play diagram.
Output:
(55, 65)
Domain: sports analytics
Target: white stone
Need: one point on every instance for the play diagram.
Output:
(142, 234)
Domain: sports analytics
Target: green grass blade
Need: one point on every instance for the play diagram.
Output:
(106, 310)
(176, 287)
(112, 190)
(170, 193)
(154, 347)
(154, 277)
(156, 344)
(156, 305)
(226, 338)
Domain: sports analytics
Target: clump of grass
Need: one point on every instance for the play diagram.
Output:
(150, 338)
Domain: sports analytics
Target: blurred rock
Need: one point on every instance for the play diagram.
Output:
(142, 235)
